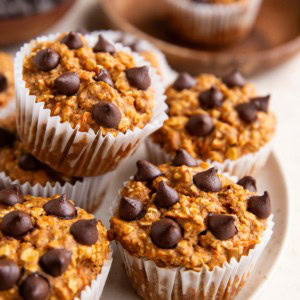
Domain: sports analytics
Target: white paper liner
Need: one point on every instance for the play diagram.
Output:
(249, 164)
(87, 193)
(94, 291)
(214, 24)
(168, 75)
(68, 150)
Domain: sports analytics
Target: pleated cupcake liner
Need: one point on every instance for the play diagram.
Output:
(249, 164)
(70, 151)
(213, 24)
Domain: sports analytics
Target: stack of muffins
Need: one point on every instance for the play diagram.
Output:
(185, 228)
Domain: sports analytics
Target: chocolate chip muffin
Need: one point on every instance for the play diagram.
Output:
(49, 248)
(222, 121)
(99, 100)
(180, 222)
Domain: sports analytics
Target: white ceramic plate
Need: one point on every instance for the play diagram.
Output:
(271, 179)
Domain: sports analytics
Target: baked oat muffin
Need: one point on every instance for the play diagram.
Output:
(49, 248)
(222, 121)
(99, 100)
(181, 222)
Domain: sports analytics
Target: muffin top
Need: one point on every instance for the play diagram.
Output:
(96, 88)
(7, 91)
(216, 119)
(182, 214)
(17, 163)
(49, 249)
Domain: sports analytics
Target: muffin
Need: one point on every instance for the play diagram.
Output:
(213, 22)
(221, 121)
(188, 232)
(50, 249)
(7, 90)
(85, 103)
(19, 166)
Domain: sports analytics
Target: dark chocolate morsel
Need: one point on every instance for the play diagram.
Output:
(55, 262)
(165, 196)
(184, 81)
(183, 158)
(3, 83)
(199, 125)
(60, 207)
(11, 195)
(234, 79)
(16, 224)
(208, 181)
(67, 84)
(103, 45)
(166, 233)
(248, 183)
(72, 40)
(221, 226)
(85, 232)
(46, 60)
(35, 287)
(211, 98)
(104, 76)
(131, 209)
(7, 138)
(146, 171)
(139, 77)
(9, 273)
(247, 112)
(106, 114)
(262, 103)
(28, 162)
(260, 205)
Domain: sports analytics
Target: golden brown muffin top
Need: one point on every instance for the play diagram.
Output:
(7, 89)
(180, 216)
(215, 119)
(105, 90)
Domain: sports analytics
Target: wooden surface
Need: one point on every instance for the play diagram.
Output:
(275, 38)
(18, 29)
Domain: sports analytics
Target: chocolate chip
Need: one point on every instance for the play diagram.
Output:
(9, 273)
(28, 162)
(139, 77)
(56, 261)
(7, 138)
(247, 112)
(16, 224)
(67, 84)
(104, 76)
(60, 207)
(131, 209)
(221, 226)
(104, 46)
(35, 287)
(106, 114)
(211, 98)
(208, 181)
(199, 125)
(3, 83)
(262, 103)
(248, 183)
(85, 232)
(182, 158)
(166, 233)
(11, 195)
(146, 171)
(165, 196)
(260, 205)
(234, 79)
(46, 60)
(72, 40)
(184, 81)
